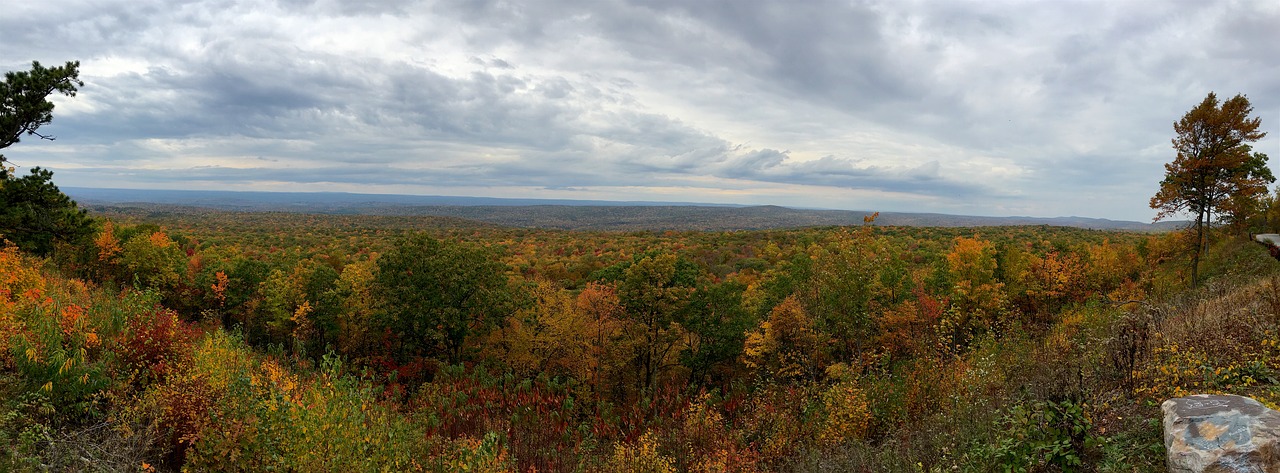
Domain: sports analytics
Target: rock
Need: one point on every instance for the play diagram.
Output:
(1211, 433)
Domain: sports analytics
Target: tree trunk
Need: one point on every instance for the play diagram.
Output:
(1195, 256)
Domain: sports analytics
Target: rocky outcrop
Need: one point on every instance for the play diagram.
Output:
(1212, 433)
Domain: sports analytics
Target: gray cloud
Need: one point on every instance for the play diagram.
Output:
(831, 171)
(1039, 108)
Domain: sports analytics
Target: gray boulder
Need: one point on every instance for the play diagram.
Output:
(1212, 433)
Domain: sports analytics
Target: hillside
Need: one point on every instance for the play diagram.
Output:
(565, 214)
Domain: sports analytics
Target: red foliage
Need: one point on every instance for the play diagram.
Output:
(540, 420)
(156, 341)
(184, 410)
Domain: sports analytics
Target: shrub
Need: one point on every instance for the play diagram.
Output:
(155, 343)
(848, 415)
(1042, 435)
(641, 456)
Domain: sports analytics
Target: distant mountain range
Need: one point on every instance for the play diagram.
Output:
(564, 213)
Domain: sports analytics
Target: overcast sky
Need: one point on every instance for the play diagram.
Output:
(985, 108)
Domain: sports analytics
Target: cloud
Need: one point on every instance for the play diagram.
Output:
(1039, 108)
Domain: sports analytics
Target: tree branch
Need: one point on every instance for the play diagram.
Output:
(43, 137)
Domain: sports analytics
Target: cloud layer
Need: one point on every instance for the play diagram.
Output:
(992, 108)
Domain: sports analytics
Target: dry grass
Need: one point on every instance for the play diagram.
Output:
(1226, 322)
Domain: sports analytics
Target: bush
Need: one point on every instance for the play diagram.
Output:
(1041, 436)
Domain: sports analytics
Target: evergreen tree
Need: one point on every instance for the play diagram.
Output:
(35, 215)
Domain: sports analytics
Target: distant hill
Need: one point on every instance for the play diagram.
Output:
(564, 214)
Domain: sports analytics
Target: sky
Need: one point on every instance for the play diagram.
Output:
(1054, 108)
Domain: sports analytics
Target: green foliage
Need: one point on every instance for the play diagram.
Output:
(1042, 436)
(271, 419)
(684, 272)
(58, 354)
(34, 214)
(716, 316)
(654, 292)
(154, 261)
(434, 294)
(37, 217)
(23, 430)
(846, 279)
(24, 104)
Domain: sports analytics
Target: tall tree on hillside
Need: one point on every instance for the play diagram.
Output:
(24, 104)
(1214, 164)
(33, 212)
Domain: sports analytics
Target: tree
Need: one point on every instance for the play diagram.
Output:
(549, 335)
(35, 215)
(435, 294)
(845, 282)
(786, 346)
(33, 212)
(1245, 203)
(24, 104)
(717, 323)
(154, 261)
(1214, 166)
(653, 292)
(978, 301)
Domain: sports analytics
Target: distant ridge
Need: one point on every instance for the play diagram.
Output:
(564, 213)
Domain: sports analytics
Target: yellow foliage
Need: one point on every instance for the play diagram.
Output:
(848, 414)
(18, 274)
(161, 240)
(554, 335)
(20, 285)
(639, 457)
(786, 346)
(154, 260)
(278, 377)
(1176, 371)
(221, 360)
(356, 285)
(302, 325)
(220, 287)
(972, 260)
(725, 461)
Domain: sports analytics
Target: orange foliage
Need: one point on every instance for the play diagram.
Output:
(161, 240)
(18, 274)
(107, 243)
(609, 353)
(220, 287)
(71, 319)
(907, 329)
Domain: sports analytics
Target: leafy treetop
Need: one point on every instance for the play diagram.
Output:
(24, 104)
(1214, 167)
